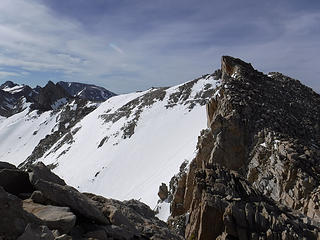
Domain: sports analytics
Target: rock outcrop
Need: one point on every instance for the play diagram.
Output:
(256, 173)
(50, 209)
(40, 171)
(51, 97)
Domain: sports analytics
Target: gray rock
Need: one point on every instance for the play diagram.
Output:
(60, 218)
(132, 219)
(38, 197)
(41, 171)
(36, 232)
(15, 181)
(68, 196)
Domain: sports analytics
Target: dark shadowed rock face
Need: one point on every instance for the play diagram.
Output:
(51, 97)
(86, 91)
(8, 84)
(5, 165)
(256, 174)
(36, 232)
(15, 182)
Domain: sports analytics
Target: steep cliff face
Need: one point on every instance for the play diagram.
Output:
(256, 173)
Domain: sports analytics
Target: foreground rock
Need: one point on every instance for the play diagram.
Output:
(57, 211)
(15, 181)
(59, 218)
(40, 171)
(5, 165)
(14, 218)
(256, 174)
(134, 218)
(68, 196)
(36, 232)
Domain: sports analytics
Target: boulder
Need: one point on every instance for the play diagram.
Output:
(41, 171)
(60, 218)
(36, 232)
(13, 217)
(68, 196)
(15, 181)
(163, 192)
(5, 165)
(38, 197)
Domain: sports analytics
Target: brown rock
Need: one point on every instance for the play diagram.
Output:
(60, 218)
(163, 192)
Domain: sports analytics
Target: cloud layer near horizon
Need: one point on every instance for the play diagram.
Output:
(132, 45)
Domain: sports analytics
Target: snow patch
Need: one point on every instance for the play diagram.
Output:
(14, 89)
(58, 103)
(163, 210)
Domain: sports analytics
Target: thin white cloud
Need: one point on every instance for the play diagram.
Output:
(36, 40)
(4, 74)
(33, 38)
(116, 48)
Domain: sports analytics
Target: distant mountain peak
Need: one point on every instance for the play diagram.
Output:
(15, 97)
(8, 84)
(86, 91)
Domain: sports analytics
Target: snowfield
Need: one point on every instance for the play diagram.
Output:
(20, 133)
(125, 148)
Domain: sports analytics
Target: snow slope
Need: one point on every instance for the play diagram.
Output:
(20, 133)
(126, 147)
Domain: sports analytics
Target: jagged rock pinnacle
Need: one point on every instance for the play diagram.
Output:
(231, 65)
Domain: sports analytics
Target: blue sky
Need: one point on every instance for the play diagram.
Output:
(129, 45)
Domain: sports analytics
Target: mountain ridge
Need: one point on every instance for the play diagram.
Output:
(86, 91)
(255, 175)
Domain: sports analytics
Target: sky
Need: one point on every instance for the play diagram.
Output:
(130, 45)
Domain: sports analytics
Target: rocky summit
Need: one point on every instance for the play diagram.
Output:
(256, 172)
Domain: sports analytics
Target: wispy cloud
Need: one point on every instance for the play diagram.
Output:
(138, 44)
(116, 48)
(8, 74)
